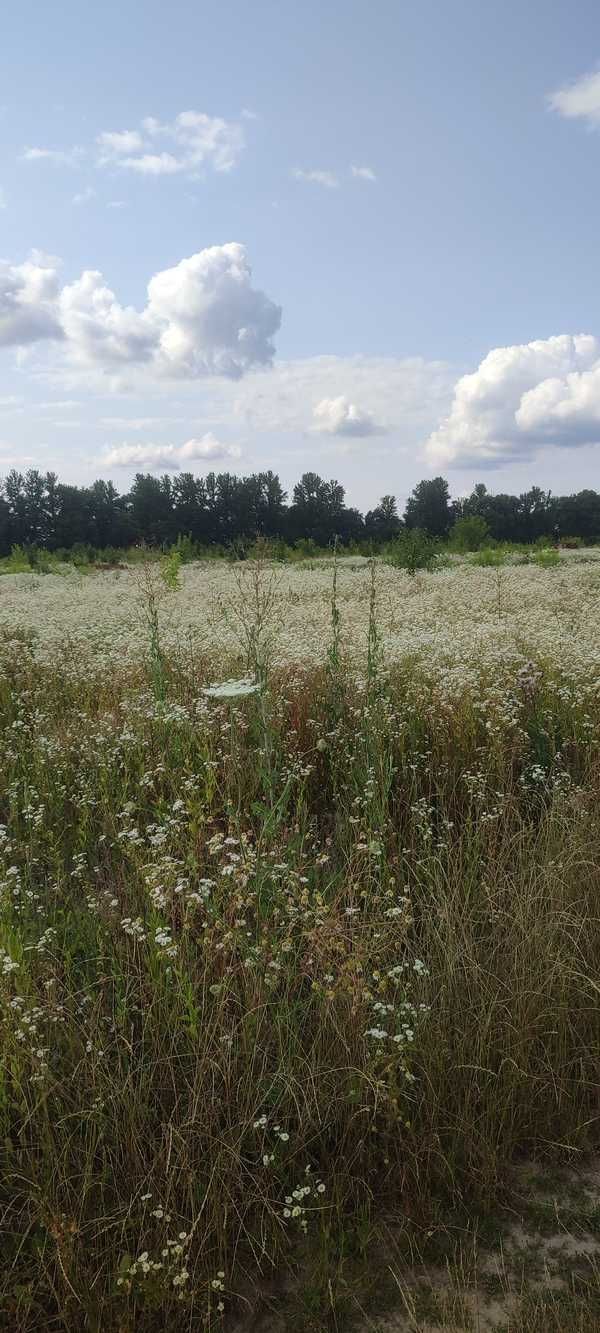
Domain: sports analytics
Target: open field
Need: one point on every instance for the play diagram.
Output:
(300, 980)
(462, 617)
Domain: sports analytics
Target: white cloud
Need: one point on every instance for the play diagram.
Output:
(207, 447)
(28, 301)
(329, 179)
(326, 178)
(210, 319)
(100, 331)
(84, 196)
(338, 416)
(546, 391)
(405, 397)
(363, 173)
(62, 404)
(202, 317)
(120, 142)
(182, 146)
(138, 423)
(564, 411)
(170, 457)
(579, 100)
(2, 199)
(59, 157)
(154, 164)
(116, 203)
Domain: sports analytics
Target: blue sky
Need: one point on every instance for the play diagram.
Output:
(382, 199)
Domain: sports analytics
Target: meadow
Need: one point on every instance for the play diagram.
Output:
(299, 934)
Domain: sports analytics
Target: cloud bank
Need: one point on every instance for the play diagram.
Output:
(169, 457)
(519, 398)
(202, 317)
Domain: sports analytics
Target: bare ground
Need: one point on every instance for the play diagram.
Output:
(539, 1274)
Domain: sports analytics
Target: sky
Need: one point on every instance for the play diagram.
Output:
(352, 238)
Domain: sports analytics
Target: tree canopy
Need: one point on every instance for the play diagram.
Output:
(36, 509)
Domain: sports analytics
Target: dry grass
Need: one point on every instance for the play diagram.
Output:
(277, 967)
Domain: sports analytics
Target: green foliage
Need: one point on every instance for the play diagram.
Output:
(547, 557)
(428, 507)
(219, 511)
(170, 568)
(489, 557)
(468, 534)
(186, 549)
(306, 547)
(413, 549)
(17, 562)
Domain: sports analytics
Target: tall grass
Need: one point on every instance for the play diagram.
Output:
(276, 965)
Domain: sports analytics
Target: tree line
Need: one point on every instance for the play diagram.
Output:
(37, 510)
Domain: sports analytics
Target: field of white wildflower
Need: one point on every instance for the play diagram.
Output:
(456, 621)
(299, 927)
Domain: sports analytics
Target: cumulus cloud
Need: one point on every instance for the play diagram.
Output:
(170, 457)
(100, 331)
(579, 100)
(363, 173)
(546, 391)
(182, 146)
(326, 178)
(338, 416)
(28, 301)
(209, 317)
(202, 317)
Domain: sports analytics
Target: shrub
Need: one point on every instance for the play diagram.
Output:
(17, 562)
(489, 557)
(186, 548)
(413, 549)
(547, 557)
(306, 547)
(469, 534)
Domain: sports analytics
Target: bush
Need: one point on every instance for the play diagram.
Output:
(413, 549)
(489, 557)
(547, 557)
(306, 547)
(469, 534)
(185, 548)
(17, 562)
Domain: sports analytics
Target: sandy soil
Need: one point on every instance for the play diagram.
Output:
(553, 1236)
